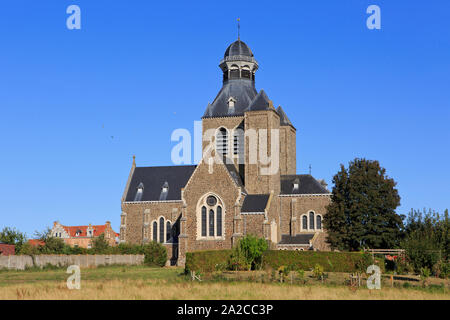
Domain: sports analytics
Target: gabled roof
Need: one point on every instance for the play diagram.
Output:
(154, 178)
(72, 230)
(306, 185)
(284, 120)
(255, 203)
(300, 239)
(260, 102)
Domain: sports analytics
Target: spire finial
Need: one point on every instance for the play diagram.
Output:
(239, 28)
(309, 169)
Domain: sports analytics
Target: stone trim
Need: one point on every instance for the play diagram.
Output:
(153, 201)
(306, 195)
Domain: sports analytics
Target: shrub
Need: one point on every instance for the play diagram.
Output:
(155, 254)
(238, 261)
(253, 249)
(205, 261)
(331, 261)
(318, 272)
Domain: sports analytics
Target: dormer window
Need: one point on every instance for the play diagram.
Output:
(164, 191)
(295, 185)
(78, 233)
(231, 101)
(139, 192)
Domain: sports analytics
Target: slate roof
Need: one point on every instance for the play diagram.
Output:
(306, 185)
(255, 203)
(238, 48)
(300, 239)
(284, 120)
(154, 178)
(242, 90)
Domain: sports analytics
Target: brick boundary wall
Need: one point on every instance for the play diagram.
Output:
(23, 261)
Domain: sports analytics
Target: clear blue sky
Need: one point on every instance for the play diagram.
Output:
(77, 104)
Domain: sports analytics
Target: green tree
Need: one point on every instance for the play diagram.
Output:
(251, 249)
(13, 236)
(362, 211)
(99, 244)
(427, 240)
(155, 254)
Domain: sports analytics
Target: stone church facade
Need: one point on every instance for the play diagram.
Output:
(246, 182)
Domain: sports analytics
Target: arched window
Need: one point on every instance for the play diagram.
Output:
(211, 223)
(234, 72)
(311, 220)
(238, 141)
(222, 141)
(210, 218)
(219, 221)
(305, 222)
(203, 221)
(161, 229)
(155, 231)
(318, 222)
(168, 231)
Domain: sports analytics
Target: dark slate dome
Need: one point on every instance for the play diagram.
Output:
(238, 48)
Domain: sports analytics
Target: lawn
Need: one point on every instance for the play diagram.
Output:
(140, 282)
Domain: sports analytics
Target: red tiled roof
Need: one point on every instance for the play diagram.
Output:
(72, 230)
(7, 249)
(36, 242)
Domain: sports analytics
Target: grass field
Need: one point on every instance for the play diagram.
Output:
(139, 282)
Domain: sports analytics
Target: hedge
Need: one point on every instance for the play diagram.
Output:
(212, 260)
(331, 261)
(206, 261)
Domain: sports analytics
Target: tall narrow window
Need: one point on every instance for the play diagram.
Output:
(319, 222)
(211, 223)
(222, 141)
(203, 221)
(168, 231)
(161, 229)
(219, 221)
(155, 231)
(311, 220)
(305, 222)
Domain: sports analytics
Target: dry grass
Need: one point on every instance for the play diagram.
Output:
(167, 283)
(160, 289)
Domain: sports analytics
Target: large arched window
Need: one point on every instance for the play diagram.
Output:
(305, 222)
(210, 218)
(164, 231)
(211, 223)
(222, 141)
(219, 221)
(318, 222)
(311, 220)
(203, 221)
(168, 231)
(155, 231)
(161, 230)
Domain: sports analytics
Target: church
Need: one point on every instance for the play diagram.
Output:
(246, 182)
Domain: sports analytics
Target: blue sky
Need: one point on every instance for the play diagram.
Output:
(77, 104)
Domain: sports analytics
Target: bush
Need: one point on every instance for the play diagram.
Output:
(331, 261)
(206, 261)
(155, 254)
(238, 261)
(318, 272)
(253, 249)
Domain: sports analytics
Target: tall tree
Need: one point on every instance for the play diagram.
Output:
(13, 236)
(362, 211)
